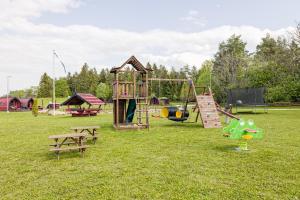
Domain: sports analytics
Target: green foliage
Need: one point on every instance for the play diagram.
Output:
(17, 93)
(205, 73)
(35, 109)
(275, 64)
(230, 63)
(62, 88)
(103, 91)
(45, 86)
(87, 80)
(24, 93)
(287, 91)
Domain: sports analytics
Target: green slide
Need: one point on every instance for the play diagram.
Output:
(130, 110)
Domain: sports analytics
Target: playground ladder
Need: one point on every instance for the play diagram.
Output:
(142, 107)
(207, 109)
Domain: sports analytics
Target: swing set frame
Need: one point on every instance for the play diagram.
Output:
(187, 101)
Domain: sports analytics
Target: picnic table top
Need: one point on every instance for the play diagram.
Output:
(85, 127)
(67, 135)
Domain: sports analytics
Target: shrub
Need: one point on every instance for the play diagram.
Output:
(35, 109)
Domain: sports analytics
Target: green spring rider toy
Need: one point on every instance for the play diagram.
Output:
(244, 131)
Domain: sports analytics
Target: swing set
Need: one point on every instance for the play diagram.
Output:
(174, 113)
(205, 106)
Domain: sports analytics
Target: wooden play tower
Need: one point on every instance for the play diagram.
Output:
(130, 95)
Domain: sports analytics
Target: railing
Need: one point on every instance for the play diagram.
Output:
(141, 92)
(123, 89)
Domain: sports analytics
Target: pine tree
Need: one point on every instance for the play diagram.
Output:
(230, 63)
(45, 86)
(61, 88)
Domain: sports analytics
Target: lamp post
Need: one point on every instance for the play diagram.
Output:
(7, 90)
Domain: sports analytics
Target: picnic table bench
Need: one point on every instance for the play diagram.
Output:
(90, 130)
(75, 139)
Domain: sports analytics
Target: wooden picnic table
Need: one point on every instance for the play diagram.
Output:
(90, 130)
(75, 141)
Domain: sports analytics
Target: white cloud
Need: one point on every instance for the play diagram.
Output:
(194, 17)
(13, 9)
(26, 47)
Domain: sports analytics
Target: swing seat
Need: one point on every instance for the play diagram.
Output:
(178, 119)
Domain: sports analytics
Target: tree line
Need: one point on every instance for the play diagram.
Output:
(275, 64)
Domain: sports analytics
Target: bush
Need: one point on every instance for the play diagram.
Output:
(286, 91)
(35, 109)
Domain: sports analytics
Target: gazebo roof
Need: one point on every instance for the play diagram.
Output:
(135, 64)
(80, 98)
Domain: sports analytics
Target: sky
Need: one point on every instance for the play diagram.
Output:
(105, 33)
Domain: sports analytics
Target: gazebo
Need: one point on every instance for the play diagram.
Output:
(78, 99)
(14, 104)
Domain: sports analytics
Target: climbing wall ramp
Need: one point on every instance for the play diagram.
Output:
(208, 111)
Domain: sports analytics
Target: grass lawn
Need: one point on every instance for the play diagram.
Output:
(170, 161)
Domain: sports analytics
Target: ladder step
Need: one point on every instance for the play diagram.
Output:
(142, 103)
(142, 117)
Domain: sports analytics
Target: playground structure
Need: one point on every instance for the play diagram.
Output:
(205, 106)
(78, 99)
(130, 96)
(243, 131)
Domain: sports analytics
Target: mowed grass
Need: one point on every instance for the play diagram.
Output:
(170, 161)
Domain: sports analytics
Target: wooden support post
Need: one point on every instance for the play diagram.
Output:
(117, 99)
(139, 102)
(125, 110)
(197, 116)
(187, 101)
(146, 101)
(134, 84)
